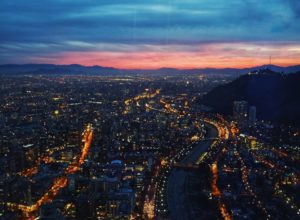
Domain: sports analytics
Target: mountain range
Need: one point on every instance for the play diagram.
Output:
(79, 69)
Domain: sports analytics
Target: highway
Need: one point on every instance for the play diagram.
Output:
(177, 191)
(178, 202)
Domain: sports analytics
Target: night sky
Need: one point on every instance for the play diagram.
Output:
(150, 34)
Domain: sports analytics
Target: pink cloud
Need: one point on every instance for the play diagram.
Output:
(217, 55)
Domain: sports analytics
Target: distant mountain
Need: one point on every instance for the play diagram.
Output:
(54, 69)
(275, 95)
(78, 69)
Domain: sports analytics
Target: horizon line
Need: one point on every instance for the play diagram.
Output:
(163, 67)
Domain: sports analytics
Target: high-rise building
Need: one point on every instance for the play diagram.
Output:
(72, 182)
(252, 115)
(31, 153)
(240, 112)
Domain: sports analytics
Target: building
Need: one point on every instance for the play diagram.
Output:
(240, 113)
(252, 115)
(49, 212)
(31, 153)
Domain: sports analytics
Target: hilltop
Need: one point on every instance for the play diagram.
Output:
(275, 95)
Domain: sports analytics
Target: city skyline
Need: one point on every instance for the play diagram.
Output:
(149, 110)
(189, 34)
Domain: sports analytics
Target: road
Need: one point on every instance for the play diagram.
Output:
(178, 203)
(29, 212)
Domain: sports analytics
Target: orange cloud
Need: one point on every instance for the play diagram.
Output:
(217, 55)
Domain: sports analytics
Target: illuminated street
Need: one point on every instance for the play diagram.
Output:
(60, 182)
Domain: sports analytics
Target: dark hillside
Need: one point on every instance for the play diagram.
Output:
(276, 96)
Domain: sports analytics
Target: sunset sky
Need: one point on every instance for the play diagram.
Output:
(150, 34)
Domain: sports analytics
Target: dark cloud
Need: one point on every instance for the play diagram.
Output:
(31, 24)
